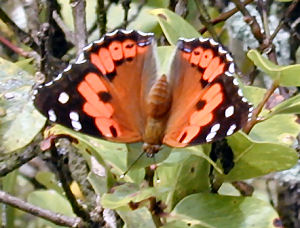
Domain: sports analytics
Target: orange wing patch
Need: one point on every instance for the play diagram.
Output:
(115, 49)
(214, 69)
(100, 110)
(211, 99)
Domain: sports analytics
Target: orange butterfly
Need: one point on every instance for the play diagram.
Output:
(114, 92)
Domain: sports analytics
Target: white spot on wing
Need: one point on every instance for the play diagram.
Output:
(215, 128)
(186, 39)
(126, 31)
(201, 39)
(235, 82)
(229, 111)
(221, 50)
(251, 109)
(88, 47)
(80, 59)
(35, 92)
(112, 33)
(229, 58)
(244, 99)
(74, 116)
(49, 83)
(63, 97)
(228, 74)
(76, 125)
(51, 115)
(240, 93)
(213, 42)
(210, 136)
(231, 68)
(58, 77)
(145, 34)
(68, 68)
(231, 130)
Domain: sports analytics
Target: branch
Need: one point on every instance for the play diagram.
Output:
(63, 173)
(24, 37)
(16, 159)
(205, 19)
(126, 7)
(14, 48)
(78, 11)
(101, 12)
(251, 21)
(56, 218)
(224, 16)
(133, 17)
(70, 36)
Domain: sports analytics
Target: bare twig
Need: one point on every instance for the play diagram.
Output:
(133, 17)
(224, 16)
(63, 172)
(56, 218)
(14, 48)
(126, 7)
(24, 37)
(68, 33)
(205, 19)
(14, 160)
(78, 10)
(101, 12)
(251, 21)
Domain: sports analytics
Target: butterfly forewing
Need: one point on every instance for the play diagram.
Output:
(207, 103)
(103, 93)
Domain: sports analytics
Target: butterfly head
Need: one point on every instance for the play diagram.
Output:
(151, 149)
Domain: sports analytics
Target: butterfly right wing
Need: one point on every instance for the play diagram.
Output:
(207, 102)
(103, 93)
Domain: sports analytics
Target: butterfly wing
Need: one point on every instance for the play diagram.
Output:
(104, 92)
(207, 102)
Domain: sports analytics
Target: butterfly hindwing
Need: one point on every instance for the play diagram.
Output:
(207, 103)
(104, 92)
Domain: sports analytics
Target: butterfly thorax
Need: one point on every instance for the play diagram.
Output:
(158, 106)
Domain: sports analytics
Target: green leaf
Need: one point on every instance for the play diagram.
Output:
(129, 192)
(51, 200)
(8, 183)
(253, 94)
(139, 218)
(253, 159)
(114, 154)
(181, 176)
(170, 23)
(48, 180)
(164, 53)
(212, 210)
(143, 20)
(99, 183)
(20, 121)
(278, 129)
(286, 75)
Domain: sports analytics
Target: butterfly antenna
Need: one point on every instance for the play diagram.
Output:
(132, 164)
(158, 180)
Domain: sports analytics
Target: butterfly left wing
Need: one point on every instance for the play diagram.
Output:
(207, 102)
(104, 92)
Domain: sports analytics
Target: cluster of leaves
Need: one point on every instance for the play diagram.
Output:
(182, 195)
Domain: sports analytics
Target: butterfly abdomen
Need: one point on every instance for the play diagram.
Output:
(158, 106)
(159, 98)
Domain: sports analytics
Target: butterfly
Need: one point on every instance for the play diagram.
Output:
(114, 92)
